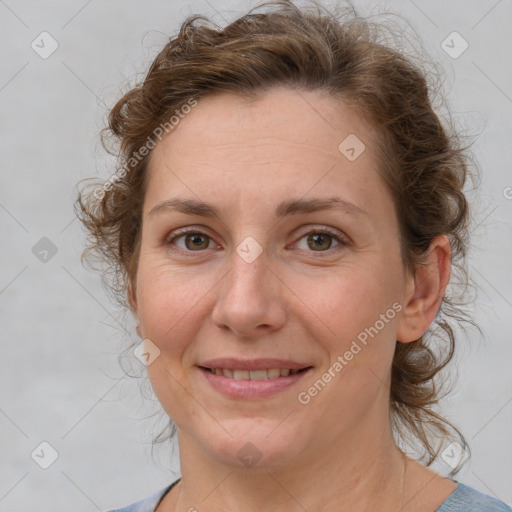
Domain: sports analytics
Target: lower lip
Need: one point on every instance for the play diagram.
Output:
(251, 388)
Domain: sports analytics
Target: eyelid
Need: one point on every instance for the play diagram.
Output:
(183, 231)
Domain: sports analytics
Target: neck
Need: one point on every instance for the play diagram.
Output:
(362, 472)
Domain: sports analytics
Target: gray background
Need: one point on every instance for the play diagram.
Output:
(60, 379)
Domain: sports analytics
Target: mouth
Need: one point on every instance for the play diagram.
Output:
(252, 380)
(271, 373)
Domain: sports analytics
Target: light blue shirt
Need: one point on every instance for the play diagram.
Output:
(463, 499)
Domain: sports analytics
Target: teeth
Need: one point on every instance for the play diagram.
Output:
(272, 373)
(258, 375)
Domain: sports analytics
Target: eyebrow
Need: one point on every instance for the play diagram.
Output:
(290, 207)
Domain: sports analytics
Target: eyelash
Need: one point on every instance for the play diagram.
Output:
(342, 241)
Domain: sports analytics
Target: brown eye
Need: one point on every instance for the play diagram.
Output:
(320, 241)
(196, 241)
(192, 241)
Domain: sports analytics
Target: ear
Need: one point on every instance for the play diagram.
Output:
(426, 289)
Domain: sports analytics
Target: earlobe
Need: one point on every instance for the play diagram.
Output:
(428, 284)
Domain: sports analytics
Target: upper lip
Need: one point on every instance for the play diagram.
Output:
(253, 364)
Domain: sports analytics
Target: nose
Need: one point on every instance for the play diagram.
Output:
(251, 301)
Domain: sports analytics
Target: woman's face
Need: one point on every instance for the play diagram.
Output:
(299, 268)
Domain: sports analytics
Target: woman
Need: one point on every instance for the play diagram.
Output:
(283, 225)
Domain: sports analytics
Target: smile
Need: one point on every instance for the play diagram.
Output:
(235, 383)
(272, 373)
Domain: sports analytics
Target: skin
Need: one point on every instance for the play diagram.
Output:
(294, 301)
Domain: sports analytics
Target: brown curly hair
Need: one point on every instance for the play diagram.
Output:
(421, 158)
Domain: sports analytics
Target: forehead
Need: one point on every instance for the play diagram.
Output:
(224, 120)
(280, 140)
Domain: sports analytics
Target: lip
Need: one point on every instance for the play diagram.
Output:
(252, 389)
(252, 364)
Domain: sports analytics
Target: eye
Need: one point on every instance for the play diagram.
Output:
(317, 240)
(190, 240)
(320, 240)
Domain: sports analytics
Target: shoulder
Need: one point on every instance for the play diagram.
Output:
(467, 499)
(148, 504)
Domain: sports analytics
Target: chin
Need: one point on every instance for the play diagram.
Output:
(251, 446)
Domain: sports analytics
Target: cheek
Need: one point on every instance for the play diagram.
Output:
(168, 301)
(346, 301)
(351, 315)
(354, 316)
(169, 305)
